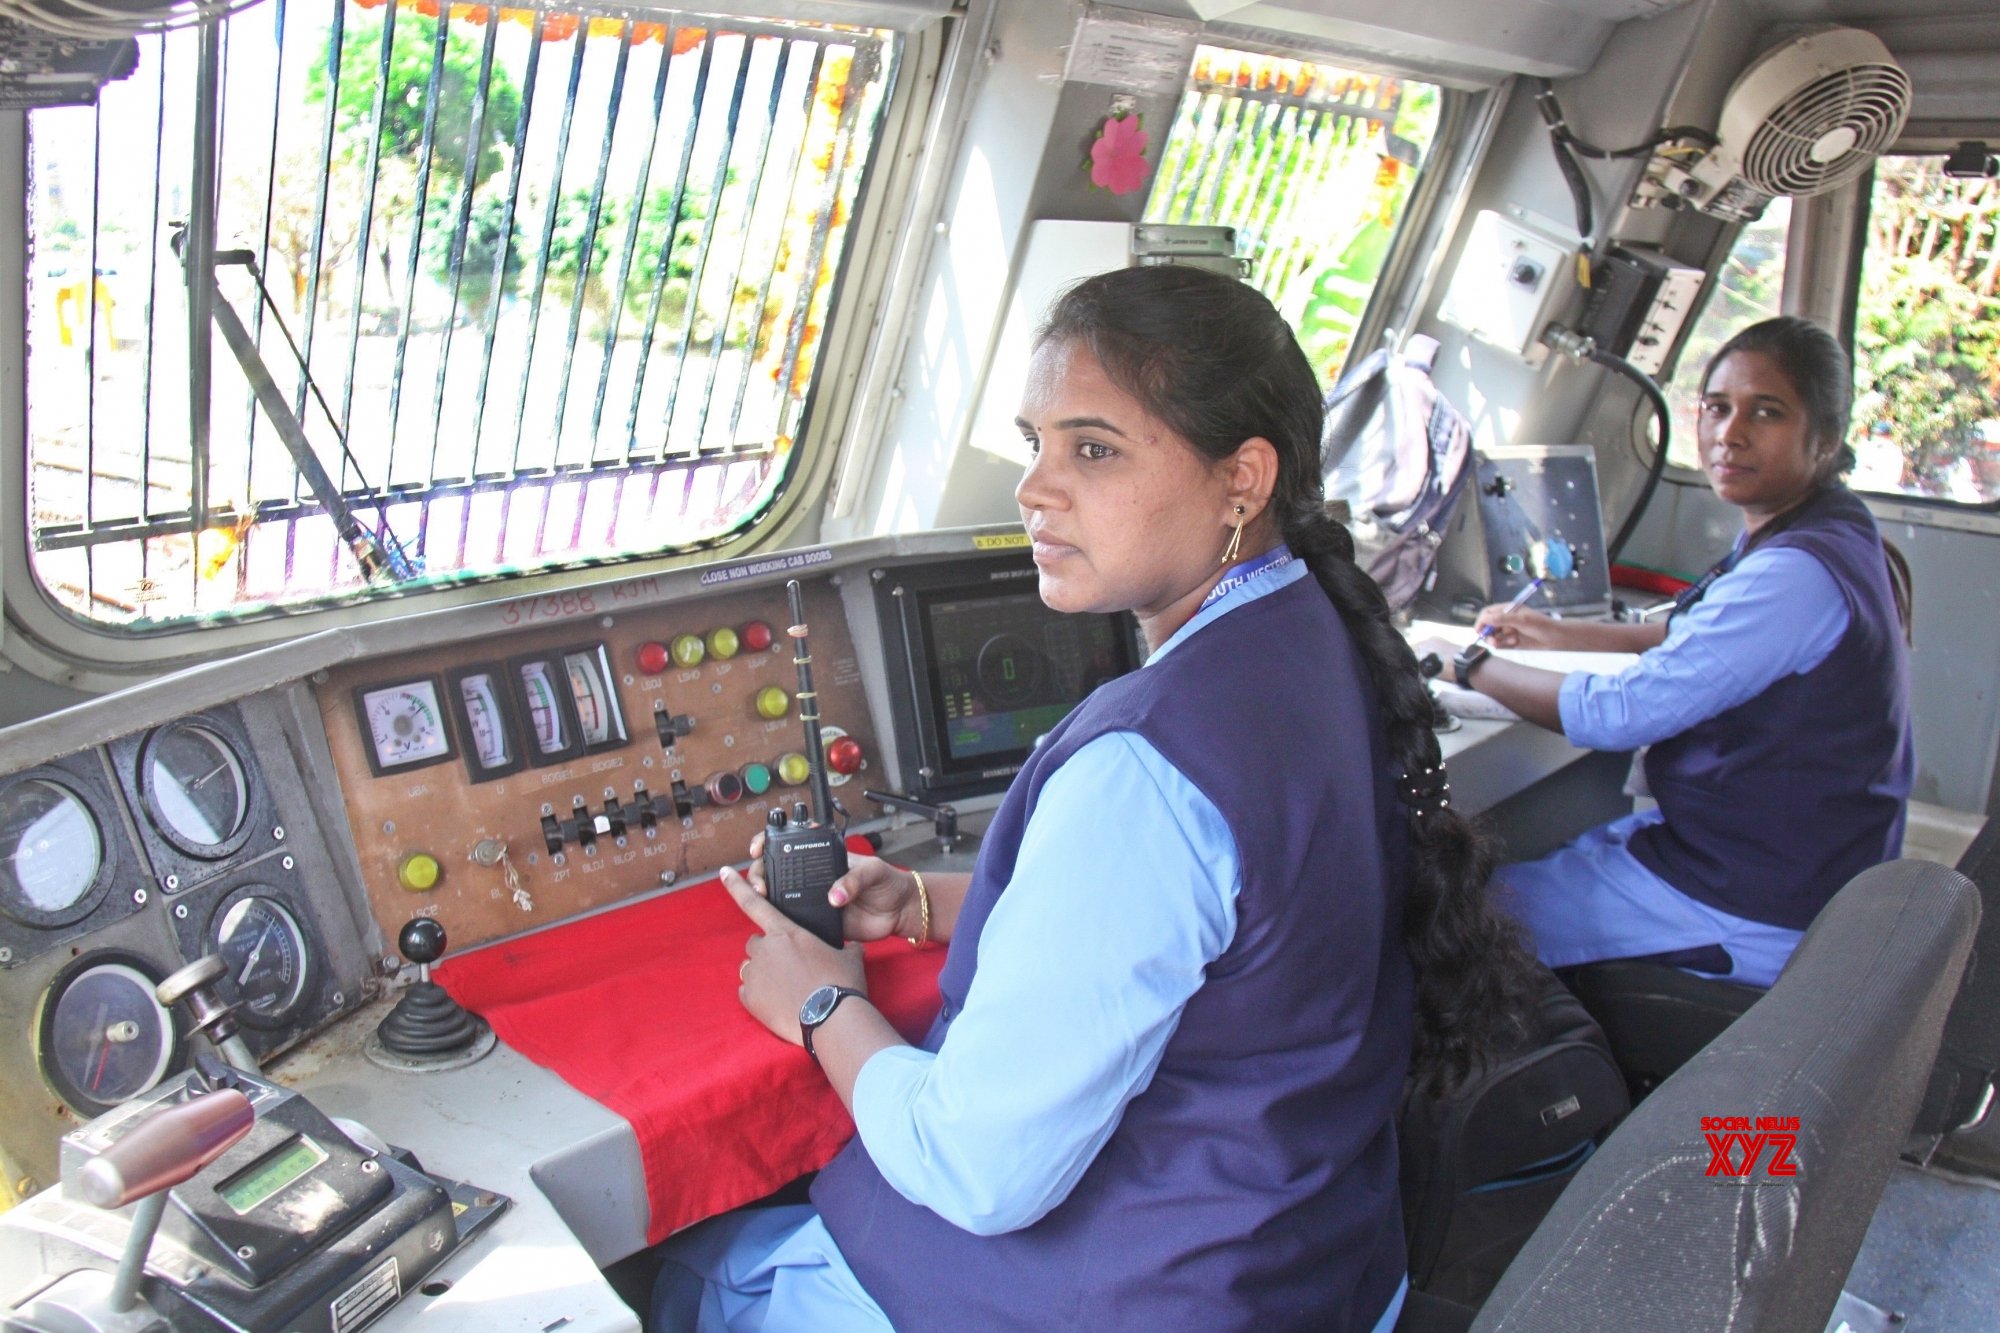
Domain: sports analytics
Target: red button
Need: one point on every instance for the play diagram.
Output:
(756, 636)
(843, 755)
(653, 658)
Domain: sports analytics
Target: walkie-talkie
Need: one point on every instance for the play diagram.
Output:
(805, 854)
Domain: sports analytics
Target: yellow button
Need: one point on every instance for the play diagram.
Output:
(723, 643)
(773, 703)
(793, 769)
(419, 872)
(687, 650)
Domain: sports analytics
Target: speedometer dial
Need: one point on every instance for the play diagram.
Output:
(196, 788)
(51, 854)
(266, 953)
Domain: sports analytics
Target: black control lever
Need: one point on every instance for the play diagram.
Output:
(944, 818)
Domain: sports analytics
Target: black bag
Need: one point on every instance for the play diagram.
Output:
(1395, 450)
(1483, 1164)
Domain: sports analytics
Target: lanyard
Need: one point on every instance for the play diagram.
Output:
(1697, 590)
(1276, 558)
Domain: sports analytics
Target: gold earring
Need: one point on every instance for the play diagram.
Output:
(1235, 539)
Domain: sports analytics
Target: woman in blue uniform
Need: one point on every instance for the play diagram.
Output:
(1775, 700)
(1217, 910)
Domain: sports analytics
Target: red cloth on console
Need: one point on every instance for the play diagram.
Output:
(637, 1008)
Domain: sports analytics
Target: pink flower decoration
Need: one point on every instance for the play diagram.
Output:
(1118, 158)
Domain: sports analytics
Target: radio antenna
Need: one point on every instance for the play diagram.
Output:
(822, 790)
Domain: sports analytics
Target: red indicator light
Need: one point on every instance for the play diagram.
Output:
(843, 755)
(756, 636)
(653, 658)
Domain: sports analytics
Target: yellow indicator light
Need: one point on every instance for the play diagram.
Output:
(723, 643)
(687, 650)
(773, 703)
(793, 769)
(419, 872)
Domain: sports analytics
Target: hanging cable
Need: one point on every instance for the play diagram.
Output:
(1568, 147)
(1659, 463)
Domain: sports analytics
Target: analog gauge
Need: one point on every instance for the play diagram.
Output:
(545, 710)
(50, 854)
(492, 745)
(104, 1037)
(267, 956)
(195, 788)
(598, 720)
(404, 726)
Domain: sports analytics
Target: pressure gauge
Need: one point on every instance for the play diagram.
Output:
(403, 725)
(266, 952)
(51, 854)
(195, 788)
(103, 1036)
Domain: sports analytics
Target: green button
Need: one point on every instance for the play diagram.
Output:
(756, 779)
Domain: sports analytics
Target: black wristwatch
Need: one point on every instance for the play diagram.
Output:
(1468, 657)
(819, 1007)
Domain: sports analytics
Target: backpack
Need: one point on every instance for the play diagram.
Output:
(1395, 450)
(1482, 1164)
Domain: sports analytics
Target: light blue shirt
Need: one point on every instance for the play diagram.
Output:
(1778, 613)
(1123, 892)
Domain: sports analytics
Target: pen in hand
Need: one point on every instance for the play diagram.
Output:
(1520, 600)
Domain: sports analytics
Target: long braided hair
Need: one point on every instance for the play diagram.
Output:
(1212, 358)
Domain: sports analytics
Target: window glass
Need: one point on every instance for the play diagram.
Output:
(538, 288)
(1749, 288)
(1927, 336)
(1312, 164)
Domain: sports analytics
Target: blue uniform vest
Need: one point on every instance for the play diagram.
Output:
(1772, 806)
(1253, 1183)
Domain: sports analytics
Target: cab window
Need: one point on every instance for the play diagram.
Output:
(538, 289)
(1749, 288)
(1927, 336)
(1312, 165)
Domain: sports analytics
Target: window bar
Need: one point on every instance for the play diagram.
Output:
(89, 304)
(1215, 152)
(522, 120)
(152, 305)
(197, 257)
(1288, 246)
(860, 72)
(756, 341)
(335, 45)
(366, 232)
(762, 153)
(1181, 137)
(1251, 155)
(666, 259)
(455, 261)
(586, 255)
(548, 235)
(1323, 153)
(703, 249)
(637, 213)
(407, 316)
(250, 412)
(1268, 209)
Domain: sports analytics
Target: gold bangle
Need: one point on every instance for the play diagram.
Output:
(923, 937)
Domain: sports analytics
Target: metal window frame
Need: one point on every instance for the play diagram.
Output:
(50, 641)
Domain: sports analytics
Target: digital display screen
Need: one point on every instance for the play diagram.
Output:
(256, 1183)
(1005, 669)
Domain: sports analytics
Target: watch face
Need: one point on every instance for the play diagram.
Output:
(818, 1005)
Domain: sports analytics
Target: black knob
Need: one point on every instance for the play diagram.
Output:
(421, 940)
(774, 819)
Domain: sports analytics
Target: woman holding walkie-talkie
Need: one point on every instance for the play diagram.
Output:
(1219, 907)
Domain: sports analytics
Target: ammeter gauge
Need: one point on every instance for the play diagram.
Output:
(485, 713)
(601, 726)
